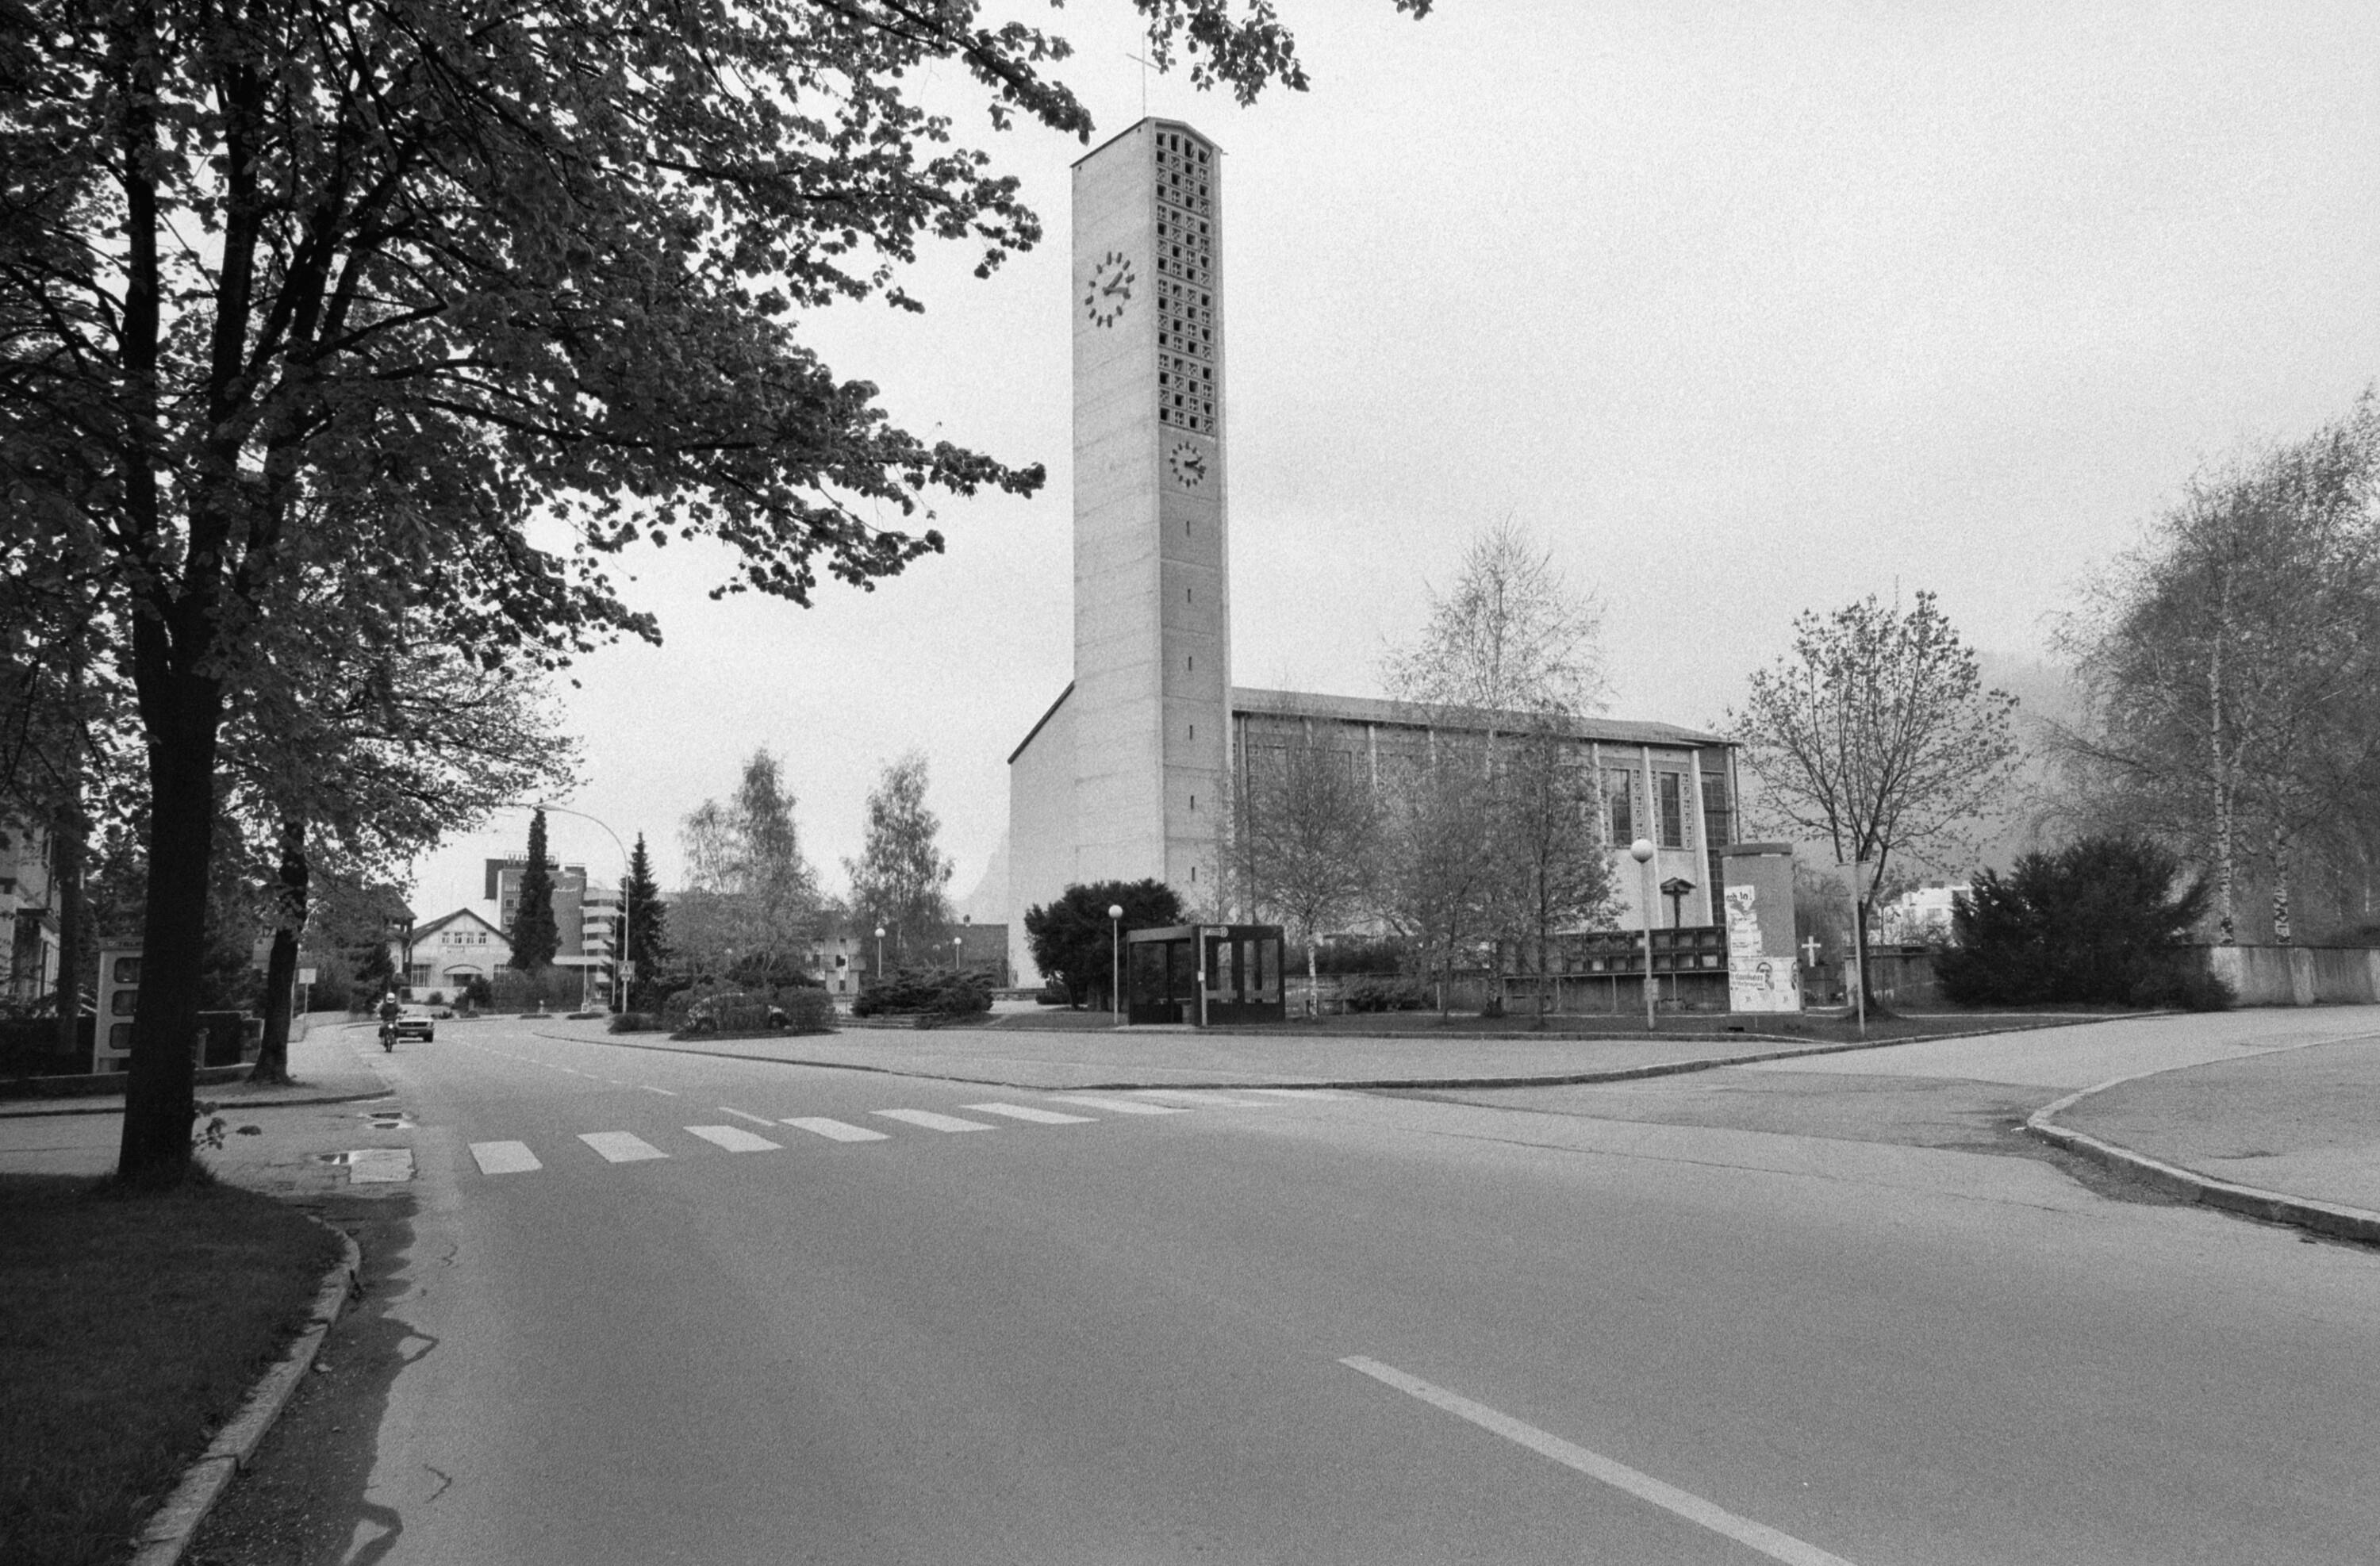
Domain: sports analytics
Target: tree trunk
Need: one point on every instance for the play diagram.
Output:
(1312, 1008)
(2220, 772)
(280, 971)
(2281, 936)
(182, 714)
(67, 857)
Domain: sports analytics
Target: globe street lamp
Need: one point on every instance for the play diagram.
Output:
(955, 953)
(880, 952)
(1642, 852)
(1115, 962)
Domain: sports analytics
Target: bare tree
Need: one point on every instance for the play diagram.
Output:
(1306, 827)
(1512, 656)
(1514, 636)
(1875, 737)
(1435, 864)
(1550, 869)
(2228, 661)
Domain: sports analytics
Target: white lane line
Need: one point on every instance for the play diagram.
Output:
(739, 1114)
(1119, 1105)
(931, 1121)
(735, 1138)
(504, 1157)
(834, 1130)
(621, 1146)
(1038, 1117)
(1618, 1475)
(1295, 1092)
(667, 1094)
(1204, 1096)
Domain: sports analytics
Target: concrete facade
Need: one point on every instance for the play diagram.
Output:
(1152, 615)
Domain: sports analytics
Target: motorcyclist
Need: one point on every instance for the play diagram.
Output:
(389, 1012)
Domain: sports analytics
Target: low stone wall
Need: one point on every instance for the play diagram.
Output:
(2297, 976)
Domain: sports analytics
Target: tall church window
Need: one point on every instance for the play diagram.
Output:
(1669, 789)
(1619, 804)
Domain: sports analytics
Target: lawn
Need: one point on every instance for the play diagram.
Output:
(131, 1326)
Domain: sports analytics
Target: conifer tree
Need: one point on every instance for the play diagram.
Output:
(534, 938)
(647, 922)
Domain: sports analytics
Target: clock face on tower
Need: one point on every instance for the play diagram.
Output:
(1109, 288)
(1189, 461)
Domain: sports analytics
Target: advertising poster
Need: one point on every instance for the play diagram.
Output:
(1756, 981)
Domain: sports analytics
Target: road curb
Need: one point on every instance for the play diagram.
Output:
(1566, 1079)
(2249, 1201)
(236, 1105)
(167, 1534)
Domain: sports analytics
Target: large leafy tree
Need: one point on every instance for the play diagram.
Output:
(899, 881)
(1875, 737)
(751, 896)
(2228, 662)
(426, 274)
(1075, 944)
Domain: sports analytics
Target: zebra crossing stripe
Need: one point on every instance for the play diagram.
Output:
(835, 1130)
(621, 1146)
(504, 1157)
(1034, 1116)
(931, 1121)
(735, 1138)
(1119, 1105)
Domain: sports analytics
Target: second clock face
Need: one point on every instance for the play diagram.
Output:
(1109, 288)
(1188, 460)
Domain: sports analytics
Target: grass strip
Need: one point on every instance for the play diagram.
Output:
(131, 1326)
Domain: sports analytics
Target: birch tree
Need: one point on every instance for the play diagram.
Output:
(2228, 664)
(902, 878)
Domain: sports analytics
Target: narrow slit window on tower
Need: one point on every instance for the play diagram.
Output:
(1189, 662)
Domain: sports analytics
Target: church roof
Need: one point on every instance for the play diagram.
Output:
(1371, 710)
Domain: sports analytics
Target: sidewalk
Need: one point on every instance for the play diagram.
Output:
(323, 1062)
(2301, 1122)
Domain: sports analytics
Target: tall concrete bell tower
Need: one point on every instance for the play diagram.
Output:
(1152, 612)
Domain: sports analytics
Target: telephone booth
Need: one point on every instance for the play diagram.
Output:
(1204, 974)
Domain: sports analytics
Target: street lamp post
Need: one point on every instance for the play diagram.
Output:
(880, 952)
(955, 943)
(1115, 962)
(1642, 852)
(620, 959)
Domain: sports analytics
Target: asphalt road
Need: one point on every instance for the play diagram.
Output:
(1301, 1328)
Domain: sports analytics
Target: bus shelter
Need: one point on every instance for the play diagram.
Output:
(1204, 974)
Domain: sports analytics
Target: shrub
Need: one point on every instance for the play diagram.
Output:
(791, 1009)
(1052, 995)
(939, 992)
(1356, 954)
(1385, 995)
(635, 1022)
(2098, 922)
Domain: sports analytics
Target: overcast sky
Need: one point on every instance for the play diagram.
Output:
(1745, 309)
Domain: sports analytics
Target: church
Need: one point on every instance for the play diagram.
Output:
(1127, 773)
